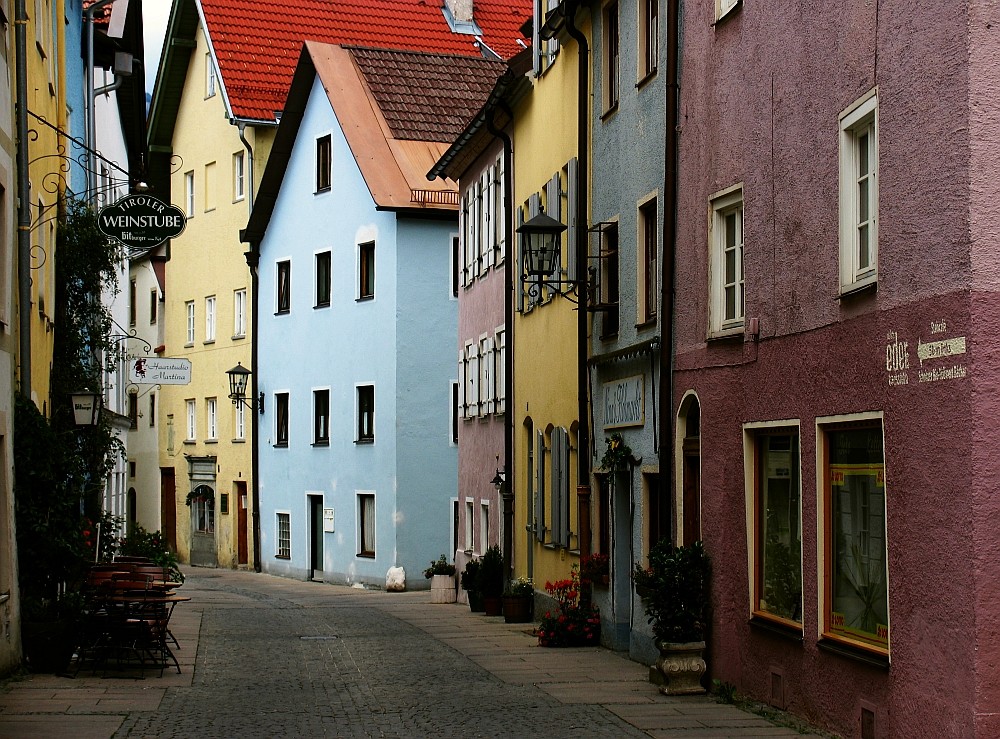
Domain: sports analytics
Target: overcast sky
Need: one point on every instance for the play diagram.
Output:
(154, 23)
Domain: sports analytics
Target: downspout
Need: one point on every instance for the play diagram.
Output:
(666, 450)
(241, 125)
(23, 204)
(256, 406)
(506, 490)
(583, 434)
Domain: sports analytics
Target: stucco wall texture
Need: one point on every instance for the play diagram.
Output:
(762, 91)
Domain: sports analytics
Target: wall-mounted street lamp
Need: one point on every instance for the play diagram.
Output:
(86, 408)
(238, 377)
(499, 477)
(541, 241)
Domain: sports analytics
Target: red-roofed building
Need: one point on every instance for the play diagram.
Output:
(224, 75)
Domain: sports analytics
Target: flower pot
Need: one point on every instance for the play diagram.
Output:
(443, 589)
(517, 608)
(492, 605)
(475, 601)
(682, 665)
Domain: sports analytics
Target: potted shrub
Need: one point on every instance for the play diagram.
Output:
(442, 576)
(491, 581)
(674, 591)
(517, 601)
(470, 584)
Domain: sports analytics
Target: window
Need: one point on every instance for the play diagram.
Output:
(133, 410)
(241, 422)
(321, 417)
(472, 379)
(210, 186)
(153, 301)
(192, 428)
(612, 57)
(610, 281)
(777, 517)
(501, 372)
(239, 178)
(322, 279)
(543, 50)
(648, 263)
(659, 507)
(726, 267)
(203, 510)
(284, 274)
(209, 76)
(324, 153)
(211, 418)
(281, 419)
(455, 413)
(487, 375)
(649, 29)
(470, 526)
(189, 193)
(283, 536)
(209, 319)
(239, 313)
(455, 265)
(366, 525)
(224, 503)
(856, 593)
(152, 410)
(366, 271)
(484, 526)
(724, 7)
(366, 414)
(859, 194)
(132, 307)
(189, 309)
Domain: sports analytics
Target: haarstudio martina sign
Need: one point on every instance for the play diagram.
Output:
(141, 221)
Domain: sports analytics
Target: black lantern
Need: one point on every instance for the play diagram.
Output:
(86, 408)
(238, 377)
(498, 478)
(541, 240)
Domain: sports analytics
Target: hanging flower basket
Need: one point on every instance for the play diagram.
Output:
(617, 454)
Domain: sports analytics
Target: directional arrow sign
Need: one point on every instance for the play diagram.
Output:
(141, 221)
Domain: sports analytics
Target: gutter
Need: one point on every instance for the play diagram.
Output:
(23, 202)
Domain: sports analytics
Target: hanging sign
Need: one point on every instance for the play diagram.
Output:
(159, 371)
(141, 221)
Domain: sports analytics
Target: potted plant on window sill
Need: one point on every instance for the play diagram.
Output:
(470, 584)
(675, 595)
(517, 601)
(442, 576)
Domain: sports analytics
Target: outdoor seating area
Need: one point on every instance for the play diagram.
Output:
(126, 619)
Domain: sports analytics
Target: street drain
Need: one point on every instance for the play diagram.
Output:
(318, 638)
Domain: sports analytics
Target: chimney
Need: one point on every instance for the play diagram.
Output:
(461, 10)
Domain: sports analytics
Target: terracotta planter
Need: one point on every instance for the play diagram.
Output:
(517, 608)
(682, 665)
(443, 589)
(492, 605)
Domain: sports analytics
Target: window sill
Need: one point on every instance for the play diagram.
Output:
(282, 556)
(724, 336)
(281, 445)
(777, 626)
(607, 114)
(211, 441)
(190, 441)
(855, 652)
(648, 323)
(365, 441)
(189, 345)
(238, 337)
(364, 298)
(858, 289)
(650, 75)
(238, 200)
(318, 306)
(206, 342)
(322, 190)
(238, 441)
(366, 555)
(321, 443)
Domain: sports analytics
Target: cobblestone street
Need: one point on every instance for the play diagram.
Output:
(269, 657)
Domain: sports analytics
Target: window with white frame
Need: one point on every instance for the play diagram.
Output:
(281, 419)
(649, 43)
(239, 313)
(189, 312)
(152, 410)
(470, 525)
(455, 412)
(726, 266)
(484, 526)
(241, 421)
(501, 370)
(209, 319)
(239, 175)
(283, 298)
(321, 417)
(612, 56)
(322, 288)
(209, 76)
(211, 418)
(456, 269)
(859, 194)
(366, 414)
(366, 270)
(324, 161)
(192, 421)
(648, 270)
(153, 305)
(366, 525)
(283, 536)
(189, 193)
(133, 308)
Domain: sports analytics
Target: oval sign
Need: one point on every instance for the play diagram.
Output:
(141, 221)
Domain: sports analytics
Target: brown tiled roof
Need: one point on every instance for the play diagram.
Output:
(426, 97)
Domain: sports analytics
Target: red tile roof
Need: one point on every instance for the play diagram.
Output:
(257, 42)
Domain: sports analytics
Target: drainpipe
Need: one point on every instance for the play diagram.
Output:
(248, 175)
(506, 490)
(583, 317)
(666, 450)
(23, 204)
(253, 259)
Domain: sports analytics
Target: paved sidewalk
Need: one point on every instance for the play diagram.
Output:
(561, 692)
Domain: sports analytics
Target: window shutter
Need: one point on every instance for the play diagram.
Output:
(489, 222)
(477, 229)
(518, 266)
(502, 372)
(472, 380)
(466, 237)
(555, 498)
(461, 385)
(500, 211)
(572, 216)
(553, 43)
(490, 362)
(564, 486)
(540, 487)
(536, 48)
(553, 200)
(534, 206)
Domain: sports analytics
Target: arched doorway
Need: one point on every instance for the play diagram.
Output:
(689, 469)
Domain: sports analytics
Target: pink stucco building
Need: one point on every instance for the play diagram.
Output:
(837, 371)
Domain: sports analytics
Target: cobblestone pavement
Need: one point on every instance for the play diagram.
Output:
(263, 656)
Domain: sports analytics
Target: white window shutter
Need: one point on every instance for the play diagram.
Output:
(502, 372)
(538, 17)
(553, 207)
(540, 486)
(501, 211)
(472, 380)
(462, 408)
(489, 222)
(491, 374)
(467, 204)
(572, 216)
